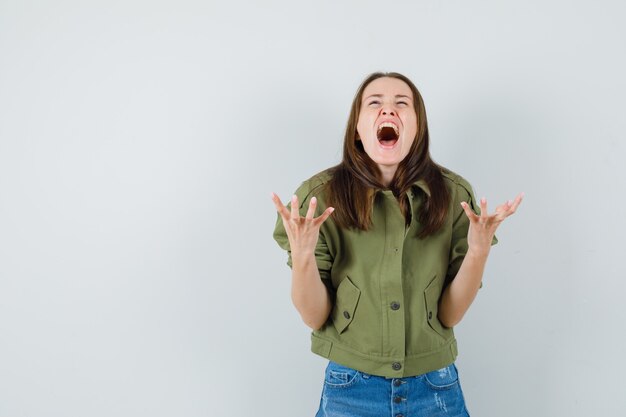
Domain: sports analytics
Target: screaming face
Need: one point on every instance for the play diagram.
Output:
(387, 123)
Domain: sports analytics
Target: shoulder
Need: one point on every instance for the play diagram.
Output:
(458, 185)
(319, 178)
(312, 186)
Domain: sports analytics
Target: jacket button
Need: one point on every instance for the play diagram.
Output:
(346, 314)
(396, 366)
(430, 315)
(397, 399)
(395, 305)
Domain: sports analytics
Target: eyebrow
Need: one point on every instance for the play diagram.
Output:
(380, 95)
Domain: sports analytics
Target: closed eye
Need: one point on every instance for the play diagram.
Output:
(399, 102)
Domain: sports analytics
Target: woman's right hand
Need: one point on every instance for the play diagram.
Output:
(303, 232)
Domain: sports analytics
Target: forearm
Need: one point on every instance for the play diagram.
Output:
(308, 293)
(460, 294)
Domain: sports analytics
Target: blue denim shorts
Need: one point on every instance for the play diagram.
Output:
(351, 393)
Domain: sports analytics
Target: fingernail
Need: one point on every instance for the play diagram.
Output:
(313, 200)
(332, 209)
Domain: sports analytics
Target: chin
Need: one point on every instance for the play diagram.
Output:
(387, 162)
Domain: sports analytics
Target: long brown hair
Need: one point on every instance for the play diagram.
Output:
(355, 180)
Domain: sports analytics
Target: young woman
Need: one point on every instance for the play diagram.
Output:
(384, 279)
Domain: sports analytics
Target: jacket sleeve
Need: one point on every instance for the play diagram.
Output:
(460, 227)
(323, 257)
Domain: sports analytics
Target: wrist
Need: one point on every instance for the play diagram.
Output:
(302, 256)
(478, 254)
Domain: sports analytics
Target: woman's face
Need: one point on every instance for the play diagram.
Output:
(388, 100)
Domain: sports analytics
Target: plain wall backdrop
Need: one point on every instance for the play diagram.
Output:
(139, 143)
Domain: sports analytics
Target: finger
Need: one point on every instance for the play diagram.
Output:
(513, 205)
(517, 202)
(311, 211)
(503, 207)
(502, 211)
(282, 210)
(322, 218)
(470, 214)
(295, 213)
(483, 209)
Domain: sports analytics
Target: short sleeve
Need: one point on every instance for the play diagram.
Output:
(323, 257)
(460, 227)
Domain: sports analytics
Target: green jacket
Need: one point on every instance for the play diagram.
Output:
(385, 284)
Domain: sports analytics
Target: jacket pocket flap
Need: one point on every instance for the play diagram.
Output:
(346, 300)
(431, 293)
(431, 298)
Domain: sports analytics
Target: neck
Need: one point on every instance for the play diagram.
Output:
(388, 172)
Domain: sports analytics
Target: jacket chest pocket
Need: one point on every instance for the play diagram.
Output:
(346, 300)
(431, 298)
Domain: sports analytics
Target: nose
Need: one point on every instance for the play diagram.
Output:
(386, 112)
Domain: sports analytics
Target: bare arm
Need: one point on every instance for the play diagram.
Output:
(308, 293)
(459, 295)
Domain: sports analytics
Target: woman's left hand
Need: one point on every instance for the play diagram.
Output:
(482, 228)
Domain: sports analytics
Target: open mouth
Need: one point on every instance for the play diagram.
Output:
(387, 135)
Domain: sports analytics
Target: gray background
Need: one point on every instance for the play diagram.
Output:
(139, 142)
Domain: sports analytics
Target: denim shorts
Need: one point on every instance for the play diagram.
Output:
(351, 393)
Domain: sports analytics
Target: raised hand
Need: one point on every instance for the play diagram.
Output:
(482, 228)
(303, 232)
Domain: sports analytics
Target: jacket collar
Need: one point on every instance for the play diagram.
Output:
(422, 184)
(417, 184)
